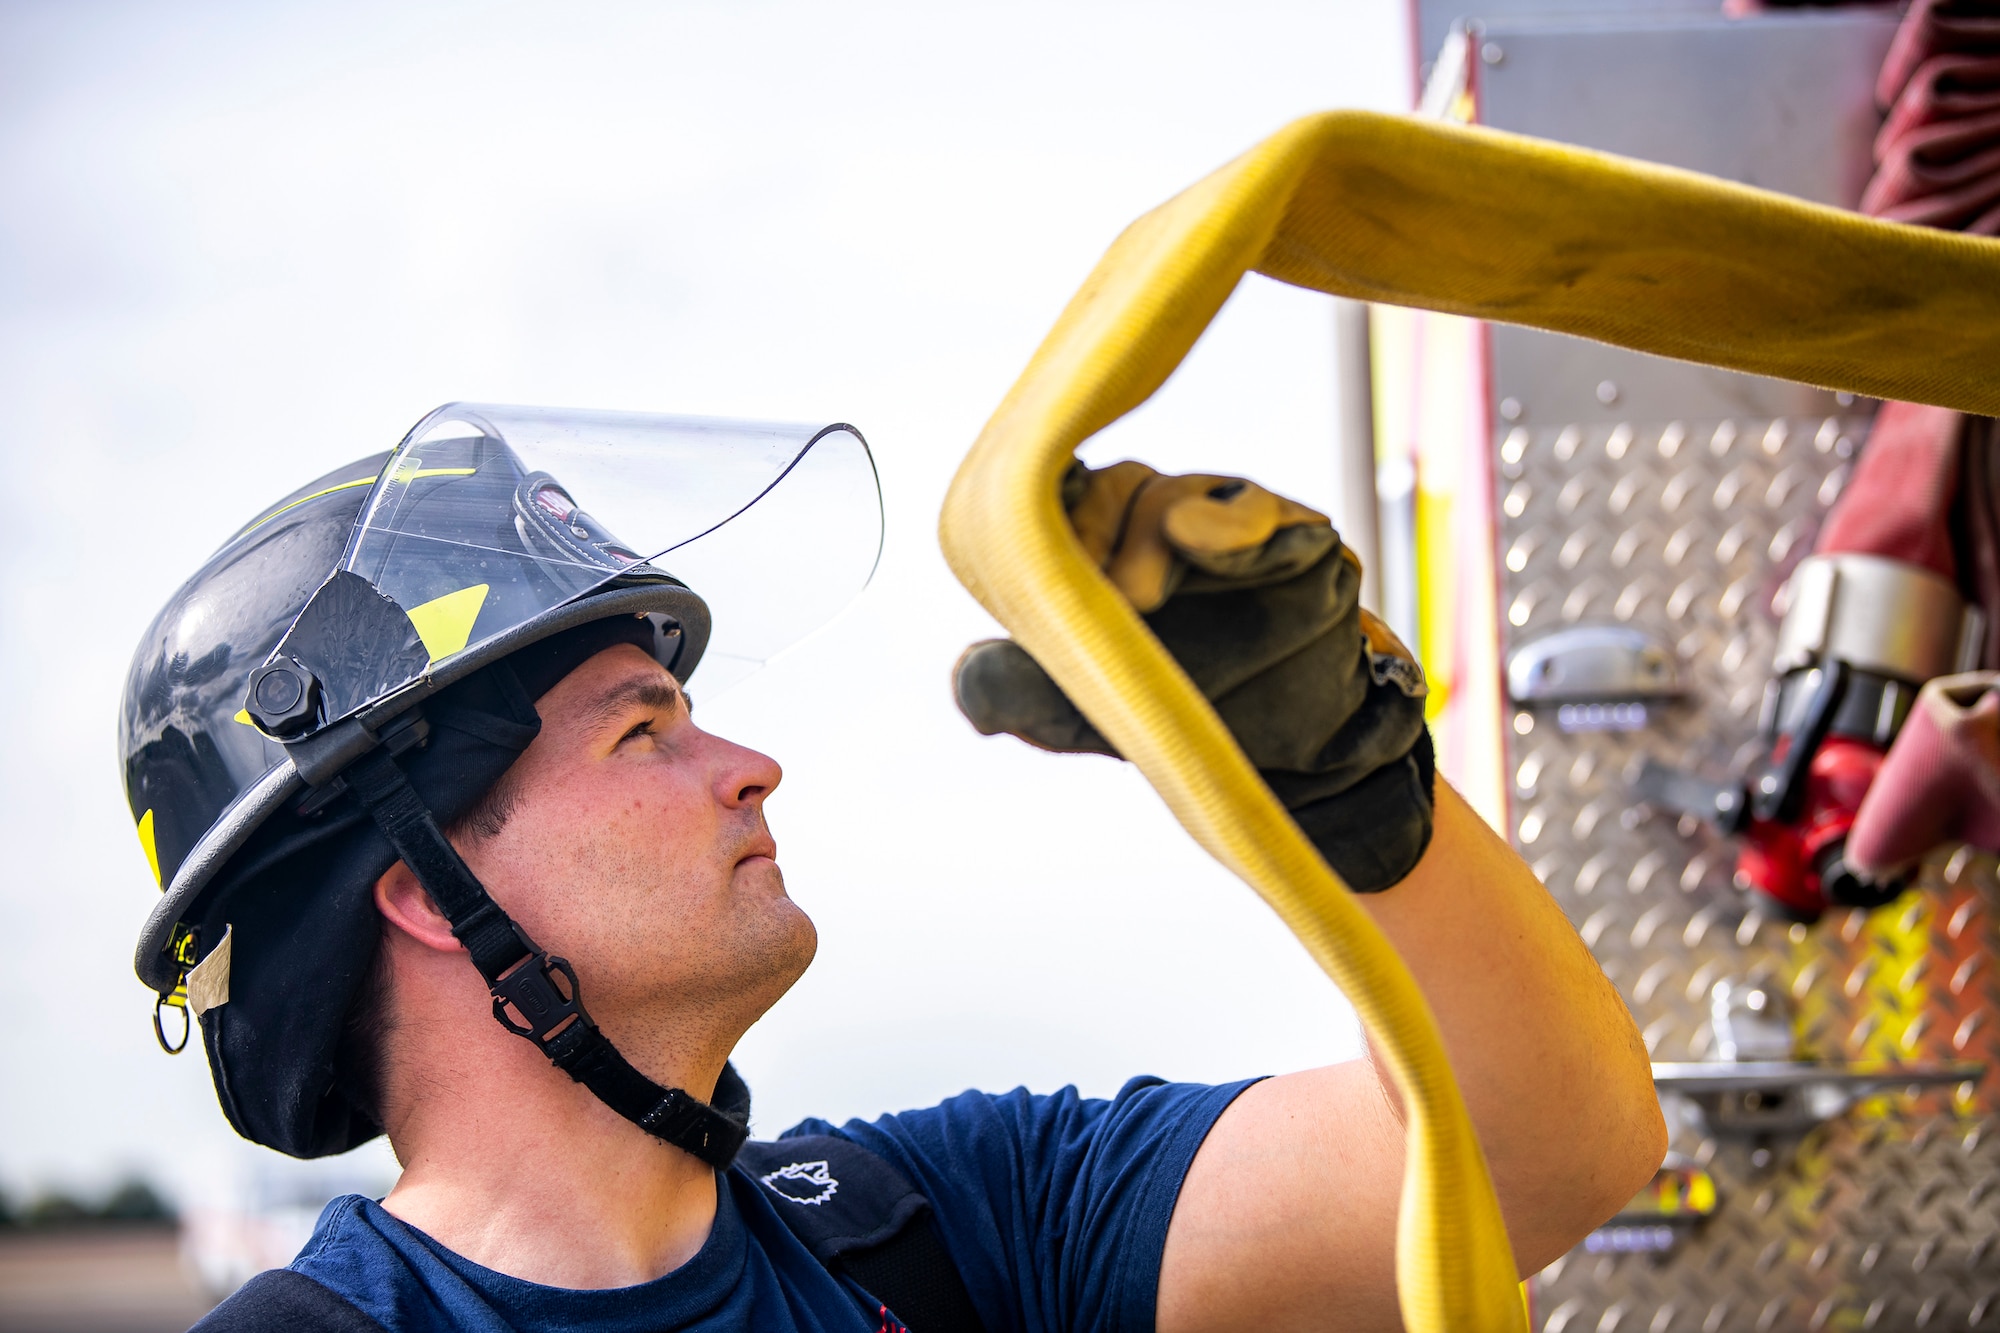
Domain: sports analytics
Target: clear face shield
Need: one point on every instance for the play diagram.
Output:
(488, 519)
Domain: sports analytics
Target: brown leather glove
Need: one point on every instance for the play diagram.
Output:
(1258, 601)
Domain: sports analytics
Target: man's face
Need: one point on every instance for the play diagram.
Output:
(634, 845)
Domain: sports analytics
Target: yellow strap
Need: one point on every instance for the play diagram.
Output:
(1473, 222)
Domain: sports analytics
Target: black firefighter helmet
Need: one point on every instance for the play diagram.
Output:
(405, 611)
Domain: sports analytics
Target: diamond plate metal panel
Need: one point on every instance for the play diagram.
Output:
(1888, 1217)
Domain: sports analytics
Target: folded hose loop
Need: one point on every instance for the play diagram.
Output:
(1472, 222)
(1477, 222)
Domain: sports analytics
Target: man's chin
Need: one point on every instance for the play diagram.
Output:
(775, 935)
(785, 948)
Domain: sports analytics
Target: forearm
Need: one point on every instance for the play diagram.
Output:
(1553, 1070)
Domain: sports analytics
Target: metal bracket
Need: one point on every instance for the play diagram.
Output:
(1786, 1098)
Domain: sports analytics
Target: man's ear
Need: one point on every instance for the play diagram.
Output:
(406, 906)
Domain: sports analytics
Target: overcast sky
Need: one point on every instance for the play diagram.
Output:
(241, 244)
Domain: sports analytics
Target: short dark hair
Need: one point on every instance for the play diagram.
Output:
(489, 814)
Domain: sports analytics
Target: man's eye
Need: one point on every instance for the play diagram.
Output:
(639, 729)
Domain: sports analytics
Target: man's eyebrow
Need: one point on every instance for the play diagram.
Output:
(652, 694)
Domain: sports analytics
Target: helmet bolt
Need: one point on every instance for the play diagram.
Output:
(284, 698)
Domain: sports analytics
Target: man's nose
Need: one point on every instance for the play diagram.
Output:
(747, 775)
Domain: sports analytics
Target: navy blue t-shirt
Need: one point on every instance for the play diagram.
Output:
(1054, 1209)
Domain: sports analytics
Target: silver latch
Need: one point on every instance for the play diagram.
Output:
(1595, 677)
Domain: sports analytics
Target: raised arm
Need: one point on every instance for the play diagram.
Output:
(1288, 1215)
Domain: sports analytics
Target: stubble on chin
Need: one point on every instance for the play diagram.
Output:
(726, 978)
(784, 943)
(762, 944)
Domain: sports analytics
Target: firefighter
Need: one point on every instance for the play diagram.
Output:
(446, 857)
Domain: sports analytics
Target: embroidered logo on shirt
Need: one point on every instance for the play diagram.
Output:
(796, 1183)
(890, 1324)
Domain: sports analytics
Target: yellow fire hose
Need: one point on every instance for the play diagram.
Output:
(1471, 222)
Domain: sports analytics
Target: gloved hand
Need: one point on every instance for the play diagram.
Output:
(1258, 600)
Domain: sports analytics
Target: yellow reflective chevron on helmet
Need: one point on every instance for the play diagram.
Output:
(445, 623)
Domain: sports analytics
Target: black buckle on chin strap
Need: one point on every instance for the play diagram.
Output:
(524, 977)
(531, 992)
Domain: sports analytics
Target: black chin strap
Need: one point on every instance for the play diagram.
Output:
(524, 978)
